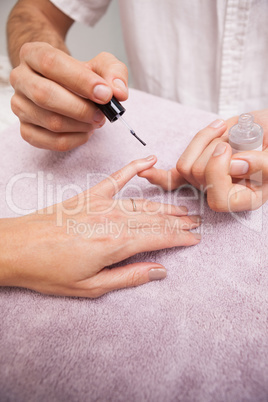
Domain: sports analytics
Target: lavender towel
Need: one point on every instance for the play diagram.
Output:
(199, 335)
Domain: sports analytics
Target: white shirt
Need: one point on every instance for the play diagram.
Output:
(210, 54)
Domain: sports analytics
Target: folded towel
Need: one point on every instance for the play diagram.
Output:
(199, 335)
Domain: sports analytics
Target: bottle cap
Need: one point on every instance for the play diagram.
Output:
(112, 110)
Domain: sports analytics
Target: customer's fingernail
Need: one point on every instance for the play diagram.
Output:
(150, 158)
(182, 209)
(157, 273)
(217, 123)
(220, 149)
(102, 92)
(195, 218)
(120, 84)
(197, 235)
(238, 167)
(98, 116)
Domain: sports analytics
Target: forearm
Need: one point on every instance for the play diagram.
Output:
(36, 21)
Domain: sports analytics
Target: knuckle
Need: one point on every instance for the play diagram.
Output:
(216, 204)
(149, 205)
(48, 58)
(13, 77)
(134, 279)
(55, 123)
(62, 144)
(119, 67)
(24, 50)
(15, 105)
(183, 168)
(117, 176)
(83, 112)
(26, 133)
(105, 55)
(40, 94)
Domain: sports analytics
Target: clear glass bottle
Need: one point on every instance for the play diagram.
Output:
(246, 135)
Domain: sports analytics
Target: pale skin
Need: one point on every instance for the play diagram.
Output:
(236, 182)
(54, 93)
(41, 253)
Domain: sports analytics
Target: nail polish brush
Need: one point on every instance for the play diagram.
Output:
(113, 110)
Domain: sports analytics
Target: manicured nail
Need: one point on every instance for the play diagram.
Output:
(183, 209)
(238, 167)
(217, 123)
(150, 158)
(120, 84)
(220, 149)
(197, 236)
(98, 116)
(102, 92)
(156, 274)
(195, 218)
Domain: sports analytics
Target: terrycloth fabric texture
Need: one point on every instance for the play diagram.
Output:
(199, 335)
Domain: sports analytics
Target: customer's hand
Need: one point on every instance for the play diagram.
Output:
(66, 249)
(54, 93)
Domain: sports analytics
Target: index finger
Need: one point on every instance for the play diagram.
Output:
(198, 144)
(116, 181)
(73, 74)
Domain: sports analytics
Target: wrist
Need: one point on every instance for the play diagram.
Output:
(8, 253)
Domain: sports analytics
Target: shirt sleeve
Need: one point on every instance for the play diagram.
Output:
(86, 11)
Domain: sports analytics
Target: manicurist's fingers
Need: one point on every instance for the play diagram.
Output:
(222, 194)
(61, 142)
(167, 179)
(246, 164)
(196, 147)
(113, 71)
(116, 181)
(29, 112)
(50, 95)
(59, 67)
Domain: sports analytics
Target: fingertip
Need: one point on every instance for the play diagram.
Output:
(157, 272)
(120, 89)
(151, 158)
(197, 236)
(102, 93)
(219, 123)
(146, 163)
(221, 148)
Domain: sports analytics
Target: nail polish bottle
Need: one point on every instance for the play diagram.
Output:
(246, 135)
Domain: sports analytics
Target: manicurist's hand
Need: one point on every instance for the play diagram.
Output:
(66, 249)
(192, 163)
(54, 94)
(238, 182)
(199, 166)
